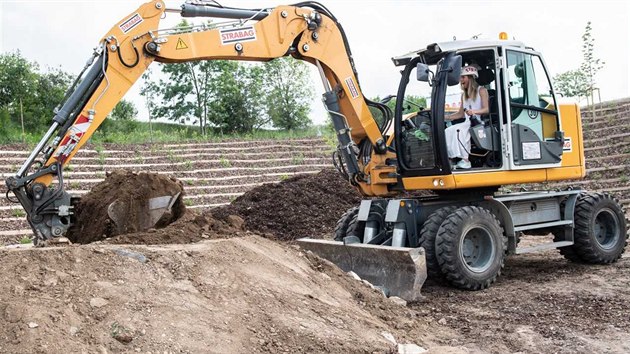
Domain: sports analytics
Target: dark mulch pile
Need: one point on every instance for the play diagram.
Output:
(302, 206)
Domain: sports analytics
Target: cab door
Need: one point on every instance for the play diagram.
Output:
(534, 121)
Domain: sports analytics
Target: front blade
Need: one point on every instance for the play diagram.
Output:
(400, 270)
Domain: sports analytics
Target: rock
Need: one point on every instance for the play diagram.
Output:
(235, 221)
(98, 302)
(442, 321)
(410, 349)
(73, 330)
(389, 337)
(367, 283)
(398, 301)
(135, 255)
(123, 338)
(32, 325)
(354, 275)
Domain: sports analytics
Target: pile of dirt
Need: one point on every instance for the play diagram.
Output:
(238, 295)
(92, 221)
(301, 206)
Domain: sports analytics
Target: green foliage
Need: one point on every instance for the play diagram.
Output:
(121, 119)
(290, 92)
(224, 162)
(572, 83)
(230, 96)
(27, 93)
(18, 213)
(124, 110)
(298, 159)
(238, 99)
(25, 240)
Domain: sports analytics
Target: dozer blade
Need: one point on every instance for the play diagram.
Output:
(400, 271)
(133, 217)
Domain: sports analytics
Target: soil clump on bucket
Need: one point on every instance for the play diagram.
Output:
(92, 220)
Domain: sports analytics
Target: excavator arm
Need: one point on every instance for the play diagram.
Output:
(305, 31)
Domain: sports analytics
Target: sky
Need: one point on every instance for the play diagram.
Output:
(62, 34)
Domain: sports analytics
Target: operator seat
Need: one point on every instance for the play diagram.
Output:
(486, 76)
(485, 138)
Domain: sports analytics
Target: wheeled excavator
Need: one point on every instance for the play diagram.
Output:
(461, 232)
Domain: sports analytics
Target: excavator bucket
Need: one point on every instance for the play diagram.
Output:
(399, 271)
(132, 217)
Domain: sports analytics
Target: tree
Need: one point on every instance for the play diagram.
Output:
(24, 91)
(572, 83)
(122, 118)
(124, 111)
(580, 83)
(590, 65)
(289, 93)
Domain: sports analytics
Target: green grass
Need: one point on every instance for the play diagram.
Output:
(25, 240)
(225, 162)
(298, 159)
(624, 179)
(162, 133)
(18, 213)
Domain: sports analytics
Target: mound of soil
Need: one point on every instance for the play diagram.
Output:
(92, 222)
(301, 206)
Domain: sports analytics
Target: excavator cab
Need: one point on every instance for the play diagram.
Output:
(521, 131)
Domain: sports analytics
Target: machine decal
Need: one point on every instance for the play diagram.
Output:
(352, 87)
(241, 34)
(180, 44)
(568, 144)
(75, 132)
(130, 23)
(531, 151)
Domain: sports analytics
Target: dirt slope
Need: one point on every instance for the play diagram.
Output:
(235, 295)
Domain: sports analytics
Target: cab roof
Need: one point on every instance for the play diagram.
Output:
(435, 51)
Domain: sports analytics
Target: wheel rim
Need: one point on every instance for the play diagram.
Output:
(606, 229)
(477, 249)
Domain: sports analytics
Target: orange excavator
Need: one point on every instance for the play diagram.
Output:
(462, 232)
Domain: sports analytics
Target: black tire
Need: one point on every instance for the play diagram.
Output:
(428, 235)
(341, 228)
(355, 228)
(471, 248)
(600, 234)
(567, 252)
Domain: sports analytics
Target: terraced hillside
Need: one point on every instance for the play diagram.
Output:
(217, 172)
(214, 173)
(607, 151)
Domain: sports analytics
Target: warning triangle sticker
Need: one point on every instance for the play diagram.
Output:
(181, 44)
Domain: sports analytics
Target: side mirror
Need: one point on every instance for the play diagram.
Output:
(454, 69)
(422, 72)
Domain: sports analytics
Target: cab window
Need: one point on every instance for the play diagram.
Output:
(530, 94)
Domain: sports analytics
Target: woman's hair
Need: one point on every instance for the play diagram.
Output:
(473, 89)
